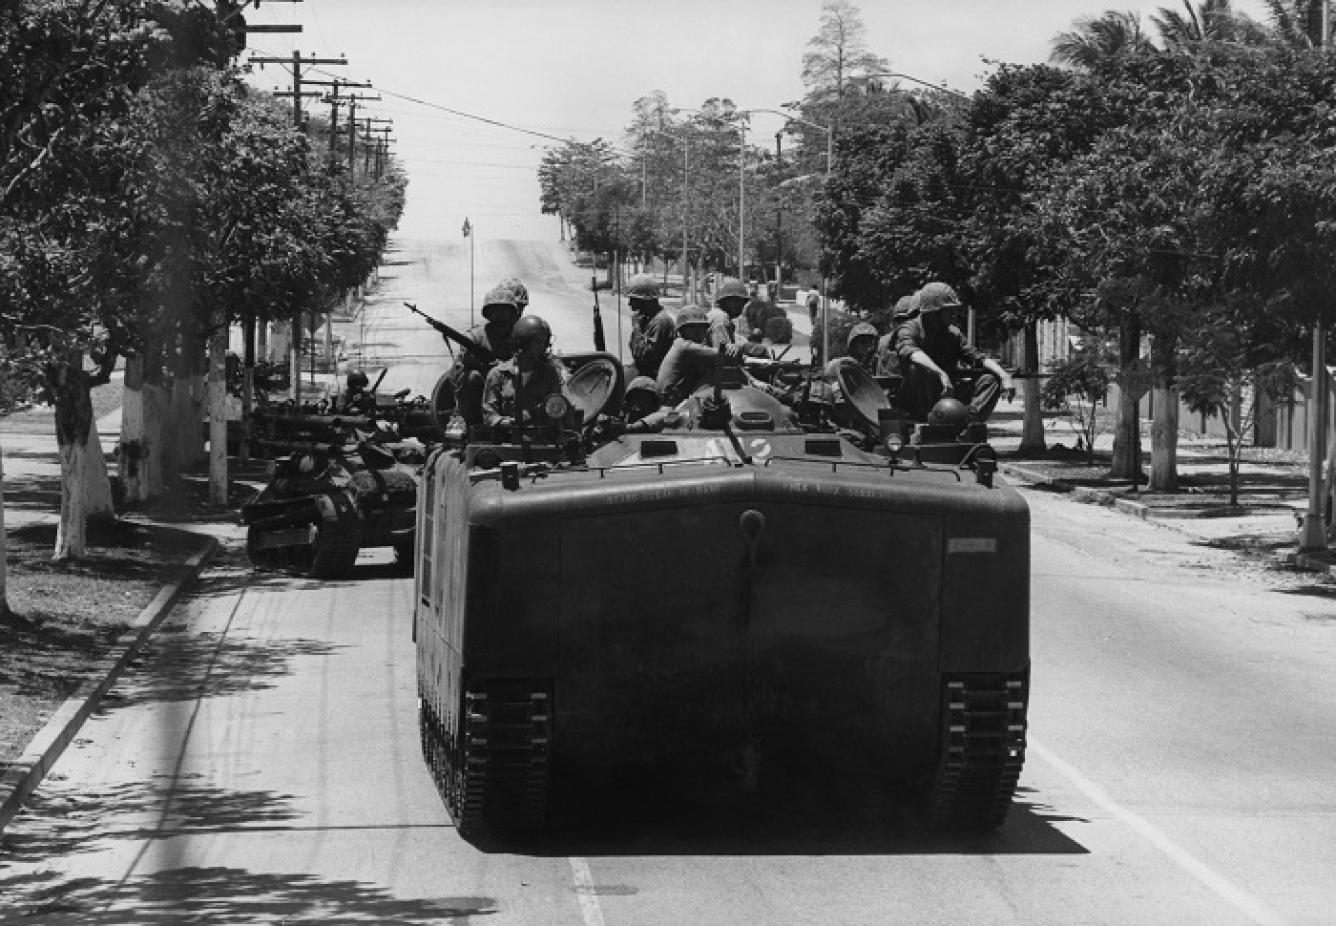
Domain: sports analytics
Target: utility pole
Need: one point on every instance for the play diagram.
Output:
(353, 100)
(779, 221)
(1313, 537)
(335, 101)
(686, 214)
(742, 193)
(371, 160)
(297, 63)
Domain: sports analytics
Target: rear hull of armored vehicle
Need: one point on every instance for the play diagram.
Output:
(752, 621)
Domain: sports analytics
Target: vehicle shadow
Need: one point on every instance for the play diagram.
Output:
(837, 819)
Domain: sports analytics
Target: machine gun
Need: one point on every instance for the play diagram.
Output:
(452, 334)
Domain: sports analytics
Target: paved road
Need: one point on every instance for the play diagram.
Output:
(262, 765)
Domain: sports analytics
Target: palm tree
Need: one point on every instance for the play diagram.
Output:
(1297, 23)
(1097, 39)
(1210, 21)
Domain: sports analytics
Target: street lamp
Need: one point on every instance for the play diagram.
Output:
(909, 77)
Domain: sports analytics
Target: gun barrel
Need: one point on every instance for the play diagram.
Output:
(452, 334)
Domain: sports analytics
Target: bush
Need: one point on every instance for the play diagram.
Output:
(1078, 386)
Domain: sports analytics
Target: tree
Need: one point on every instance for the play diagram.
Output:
(68, 72)
(1297, 23)
(838, 50)
(1078, 386)
(1098, 38)
(1209, 21)
(1233, 359)
(1024, 126)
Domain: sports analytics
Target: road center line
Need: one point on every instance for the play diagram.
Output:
(1241, 900)
(584, 889)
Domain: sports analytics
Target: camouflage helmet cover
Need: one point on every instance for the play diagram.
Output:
(860, 330)
(517, 290)
(731, 287)
(499, 296)
(643, 287)
(691, 315)
(936, 296)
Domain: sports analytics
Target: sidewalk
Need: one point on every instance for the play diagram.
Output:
(1273, 495)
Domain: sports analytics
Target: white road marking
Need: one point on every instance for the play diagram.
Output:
(584, 889)
(1241, 900)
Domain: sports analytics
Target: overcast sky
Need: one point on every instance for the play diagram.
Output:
(568, 68)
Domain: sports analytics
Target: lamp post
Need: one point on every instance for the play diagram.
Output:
(911, 78)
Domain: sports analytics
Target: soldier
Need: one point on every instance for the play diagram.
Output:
(652, 328)
(516, 388)
(888, 361)
(644, 409)
(730, 300)
(931, 349)
(690, 359)
(356, 391)
(502, 307)
(862, 345)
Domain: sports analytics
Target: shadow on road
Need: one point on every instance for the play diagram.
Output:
(840, 819)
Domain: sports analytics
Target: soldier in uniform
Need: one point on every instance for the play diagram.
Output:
(516, 388)
(644, 409)
(730, 300)
(652, 328)
(862, 346)
(690, 360)
(502, 307)
(932, 351)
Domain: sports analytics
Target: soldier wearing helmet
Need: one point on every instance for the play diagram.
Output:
(502, 307)
(355, 391)
(933, 353)
(730, 299)
(862, 345)
(690, 360)
(652, 328)
(644, 408)
(516, 388)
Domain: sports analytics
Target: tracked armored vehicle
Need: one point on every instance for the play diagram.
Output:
(327, 502)
(753, 584)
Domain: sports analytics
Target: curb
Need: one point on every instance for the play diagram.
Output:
(26, 772)
(1099, 496)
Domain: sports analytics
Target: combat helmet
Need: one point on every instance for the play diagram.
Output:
(860, 330)
(528, 328)
(935, 296)
(497, 296)
(518, 290)
(949, 411)
(357, 380)
(731, 287)
(691, 315)
(643, 287)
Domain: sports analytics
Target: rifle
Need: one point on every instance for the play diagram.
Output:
(600, 343)
(450, 334)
